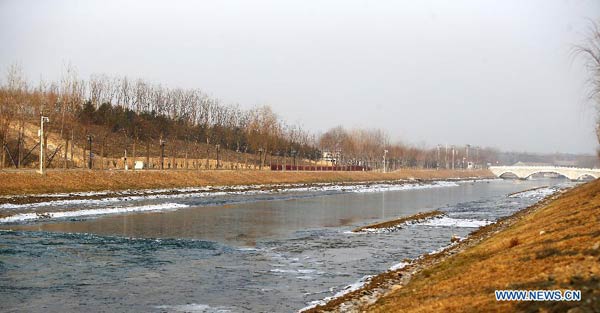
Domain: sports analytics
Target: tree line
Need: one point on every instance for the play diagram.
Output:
(369, 146)
(119, 113)
(136, 111)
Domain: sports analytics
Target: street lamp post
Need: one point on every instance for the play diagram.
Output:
(125, 165)
(41, 134)
(89, 139)
(446, 158)
(467, 155)
(453, 157)
(162, 154)
(438, 157)
(284, 160)
(384, 153)
(260, 151)
(218, 149)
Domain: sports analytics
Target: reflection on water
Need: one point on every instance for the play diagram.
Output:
(244, 223)
(244, 256)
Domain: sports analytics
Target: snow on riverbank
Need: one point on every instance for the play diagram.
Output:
(538, 193)
(92, 212)
(445, 221)
(350, 288)
(224, 191)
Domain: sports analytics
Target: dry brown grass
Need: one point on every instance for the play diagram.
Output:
(29, 182)
(555, 247)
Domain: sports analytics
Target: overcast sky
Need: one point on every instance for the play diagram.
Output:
(490, 73)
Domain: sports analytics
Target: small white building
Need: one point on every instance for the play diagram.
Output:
(331, 156)
(139, 165)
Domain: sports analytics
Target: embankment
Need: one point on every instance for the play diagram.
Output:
(552, 245)
(29, 182)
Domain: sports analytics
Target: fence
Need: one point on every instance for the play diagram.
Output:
(348, 168)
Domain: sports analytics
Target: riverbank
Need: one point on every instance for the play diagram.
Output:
(554, 244)
(65, 181)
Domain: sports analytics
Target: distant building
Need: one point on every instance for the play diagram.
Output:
(555, 163)
(566, 163)
(531, 164)
(331, 156)
(139, 165)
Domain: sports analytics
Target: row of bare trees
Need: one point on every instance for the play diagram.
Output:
(200, 117)
(118, 114)
(367, 147)
(117, 111)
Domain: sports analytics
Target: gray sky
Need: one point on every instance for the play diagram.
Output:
(493, 73)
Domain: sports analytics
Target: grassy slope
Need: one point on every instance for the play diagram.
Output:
(555, 247)
(12, 183)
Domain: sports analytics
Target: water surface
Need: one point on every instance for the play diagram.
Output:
(238, 253)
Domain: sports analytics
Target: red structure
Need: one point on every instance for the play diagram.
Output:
(348, 168)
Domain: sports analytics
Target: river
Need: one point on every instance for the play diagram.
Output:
(234, 252)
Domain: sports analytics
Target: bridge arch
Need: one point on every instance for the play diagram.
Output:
(547, 172)
(510, 175)
(585, 176)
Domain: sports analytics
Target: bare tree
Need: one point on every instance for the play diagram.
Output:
(17, 87)
(8, 108)
(590, 50)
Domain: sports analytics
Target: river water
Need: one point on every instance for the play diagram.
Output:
(233, 252)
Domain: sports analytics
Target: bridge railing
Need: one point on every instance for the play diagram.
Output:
(546, 167)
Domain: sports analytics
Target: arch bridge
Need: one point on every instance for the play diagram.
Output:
(523, 172)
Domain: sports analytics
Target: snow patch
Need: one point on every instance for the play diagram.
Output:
(445, 221)
(299, 271)
(537, 193)
(222, 191)
(383, 230)
(388, 187)
(192, 307)
(398, 266)
(350, 288)
(441, 249)
(90, 212)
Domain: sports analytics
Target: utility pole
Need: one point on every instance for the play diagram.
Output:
(446, 158)
(260, 150)
(438, 157)
(162, 154)
(41, 134)
(467, 154)
(125, 165)
(89, 139)
(284, 160)
(452, 157)
(218, 148)
(384, 153)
